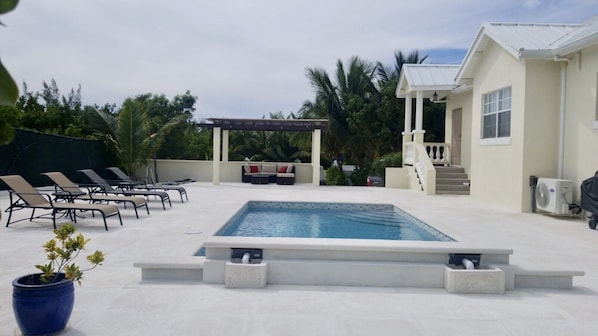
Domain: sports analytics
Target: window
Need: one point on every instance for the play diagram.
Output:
(496, 121)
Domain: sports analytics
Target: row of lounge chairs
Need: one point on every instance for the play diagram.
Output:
(101, 196)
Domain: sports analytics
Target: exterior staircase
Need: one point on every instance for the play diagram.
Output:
(451, 181)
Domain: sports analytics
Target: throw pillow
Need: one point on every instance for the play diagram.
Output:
(282, 169)
(253, 169)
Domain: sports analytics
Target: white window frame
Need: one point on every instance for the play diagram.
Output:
(499, 104)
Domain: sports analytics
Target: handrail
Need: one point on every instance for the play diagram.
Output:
(425, 169)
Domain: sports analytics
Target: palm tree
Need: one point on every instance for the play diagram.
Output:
(130, 134)
(342, 102)
(392, 111)
(387, 74)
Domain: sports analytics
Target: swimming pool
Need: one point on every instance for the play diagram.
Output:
(328, 220)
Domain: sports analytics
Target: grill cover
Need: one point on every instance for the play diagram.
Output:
(589, 194)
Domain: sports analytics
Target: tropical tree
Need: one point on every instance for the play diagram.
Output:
(392, 110)
(8, 88)
(270, 145)
(350, 104)
(386, 74)
(131, 135)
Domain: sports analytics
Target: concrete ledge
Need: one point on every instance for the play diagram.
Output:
(483, 280)
(355, 273)
(174, 269)
(545, 279)
(218, 248)
(239, 275)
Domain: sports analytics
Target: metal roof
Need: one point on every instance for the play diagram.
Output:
(530, 41)
(426, 77)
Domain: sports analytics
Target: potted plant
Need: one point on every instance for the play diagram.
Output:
(43, 302)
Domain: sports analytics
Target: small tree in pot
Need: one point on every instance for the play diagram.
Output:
(43, 302)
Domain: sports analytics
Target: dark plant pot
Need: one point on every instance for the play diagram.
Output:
(42, 308)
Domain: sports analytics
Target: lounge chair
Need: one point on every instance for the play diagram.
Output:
(29, 197)
(67, 189)
(102, 186)
(127, 182)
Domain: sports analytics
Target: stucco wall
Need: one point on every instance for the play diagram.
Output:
(541, 125)
(581, 139)
(496, 172)
(462, 101)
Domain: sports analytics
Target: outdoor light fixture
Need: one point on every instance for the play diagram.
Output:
(435, 97)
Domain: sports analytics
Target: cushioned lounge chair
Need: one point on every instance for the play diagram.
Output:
(127, 182)
(99, 185)
(29, 198)
(67, 189)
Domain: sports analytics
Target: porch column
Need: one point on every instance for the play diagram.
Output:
(407, 137)
(316, 139)
(224, 145)
(418, 133)
(216, 159)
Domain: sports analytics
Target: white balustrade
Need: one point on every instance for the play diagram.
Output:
(438, 152)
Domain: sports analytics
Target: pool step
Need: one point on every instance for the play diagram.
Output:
(172, 269)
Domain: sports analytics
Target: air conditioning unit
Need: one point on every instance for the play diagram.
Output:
(553, 195)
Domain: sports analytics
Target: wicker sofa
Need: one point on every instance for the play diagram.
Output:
(279, 173)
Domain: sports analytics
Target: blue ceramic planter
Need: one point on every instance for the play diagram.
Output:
(42, 308)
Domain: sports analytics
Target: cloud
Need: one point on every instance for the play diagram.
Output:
(241, 58)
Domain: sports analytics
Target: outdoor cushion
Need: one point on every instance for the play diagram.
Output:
(269, 168)
(247, 169)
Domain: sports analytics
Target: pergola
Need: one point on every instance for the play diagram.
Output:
(222, 126)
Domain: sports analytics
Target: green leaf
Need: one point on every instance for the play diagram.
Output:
(8, 5)
(8, 88)
(6, 133)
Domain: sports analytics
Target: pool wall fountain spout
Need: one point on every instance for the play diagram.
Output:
(468, 264)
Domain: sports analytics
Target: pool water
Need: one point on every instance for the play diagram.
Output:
(328, 220)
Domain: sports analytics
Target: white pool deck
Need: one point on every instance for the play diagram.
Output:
(113, 299)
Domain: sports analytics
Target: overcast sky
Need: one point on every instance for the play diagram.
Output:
(241, 58)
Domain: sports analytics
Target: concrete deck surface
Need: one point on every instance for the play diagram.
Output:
(114, 301)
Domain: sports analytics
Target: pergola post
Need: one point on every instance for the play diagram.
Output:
(224, 145)
(216, 159)
(316, 139)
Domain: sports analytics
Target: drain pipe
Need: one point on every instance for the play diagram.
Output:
(468, 264)
(561, 159)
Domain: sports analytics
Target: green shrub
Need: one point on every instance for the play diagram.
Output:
(359, 176)
(389, 160)
(334, 176)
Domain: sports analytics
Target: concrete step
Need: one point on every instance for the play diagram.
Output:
(452, 187)
(443, 175)
(452, 181)
(451, 169)
(451, 192)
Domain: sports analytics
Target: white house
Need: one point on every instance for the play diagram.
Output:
(523, 102)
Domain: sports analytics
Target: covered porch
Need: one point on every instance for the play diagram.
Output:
(433, 82)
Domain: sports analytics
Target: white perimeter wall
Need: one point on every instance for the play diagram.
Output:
(201, 170)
